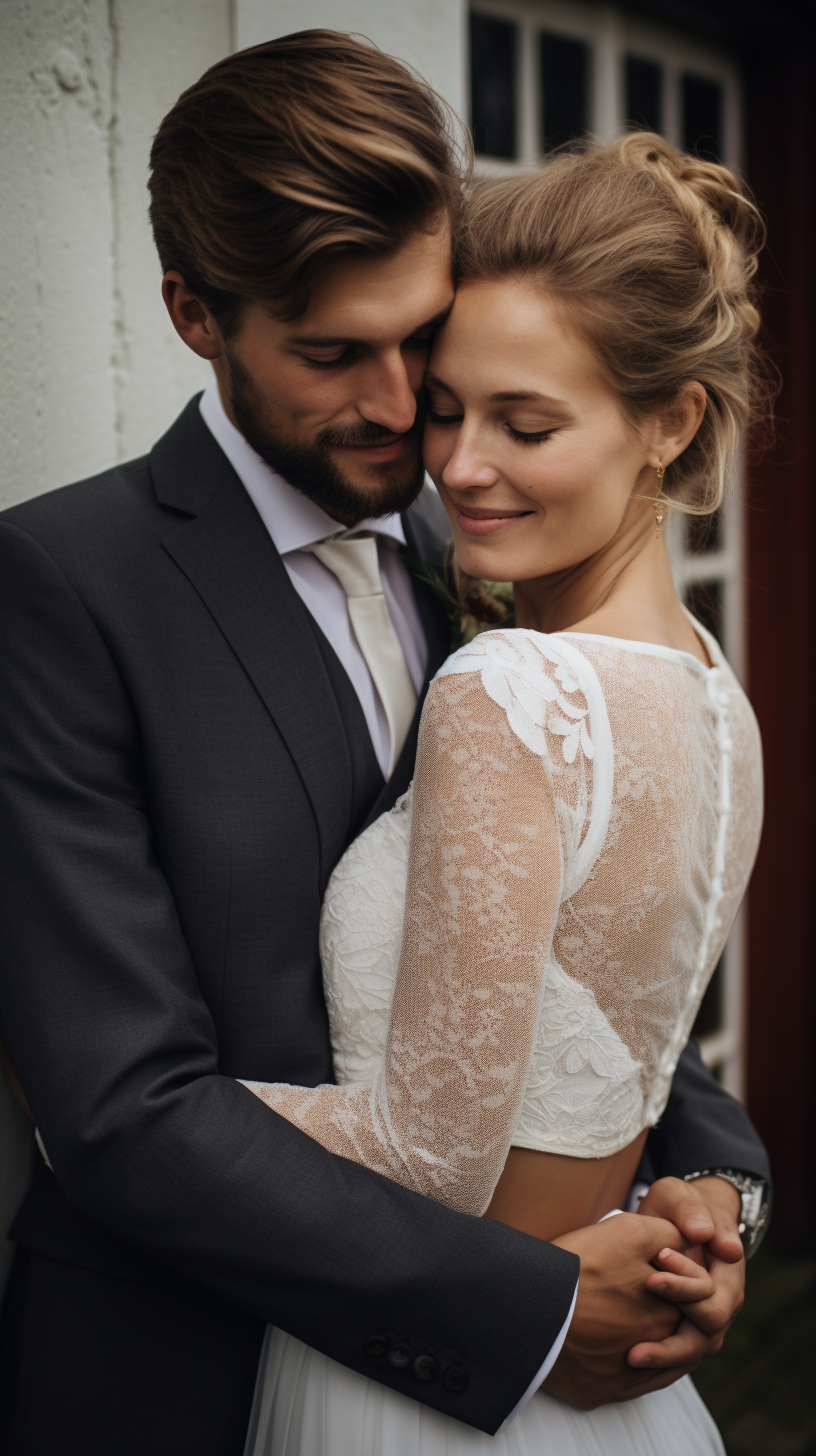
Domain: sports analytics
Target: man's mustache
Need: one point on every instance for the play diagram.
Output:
(357, 437)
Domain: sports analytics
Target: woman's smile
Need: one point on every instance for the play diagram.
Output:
(486, 521)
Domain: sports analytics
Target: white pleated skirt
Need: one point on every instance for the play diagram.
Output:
(308, 1405)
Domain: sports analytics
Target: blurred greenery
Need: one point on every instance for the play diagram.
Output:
(761, 1388)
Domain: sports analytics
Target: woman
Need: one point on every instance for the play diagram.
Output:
(515, 955)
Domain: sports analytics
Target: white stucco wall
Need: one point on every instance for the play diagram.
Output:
(90, 370)
(429, 35)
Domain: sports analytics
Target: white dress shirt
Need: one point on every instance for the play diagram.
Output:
(294, 522)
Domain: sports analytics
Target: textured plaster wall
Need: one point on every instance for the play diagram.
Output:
(90, 369)
(429, 34)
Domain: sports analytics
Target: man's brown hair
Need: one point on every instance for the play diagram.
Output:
(291, 153)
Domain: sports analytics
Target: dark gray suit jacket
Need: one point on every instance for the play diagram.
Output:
(182, 762)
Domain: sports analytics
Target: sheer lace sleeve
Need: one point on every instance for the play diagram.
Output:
(484, 888)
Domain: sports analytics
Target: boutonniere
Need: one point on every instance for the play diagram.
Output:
(472, 605)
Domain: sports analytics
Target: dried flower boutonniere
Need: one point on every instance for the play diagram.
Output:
(472, 605)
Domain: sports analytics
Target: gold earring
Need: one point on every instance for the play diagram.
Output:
(660, 505)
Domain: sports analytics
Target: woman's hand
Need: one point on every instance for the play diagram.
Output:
(705, 1211)
(614, 1308)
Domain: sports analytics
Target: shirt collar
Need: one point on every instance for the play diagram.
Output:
(291, 518)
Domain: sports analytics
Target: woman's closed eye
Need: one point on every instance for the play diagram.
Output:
(524, 437)
(442, 417)
(528, 437)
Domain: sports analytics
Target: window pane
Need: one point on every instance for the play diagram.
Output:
(704, 600)
(493, 51)
(644, 94)
(704, 534)
(703, 117)
(564, 89)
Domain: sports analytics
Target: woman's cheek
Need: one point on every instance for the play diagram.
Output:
(434, 454)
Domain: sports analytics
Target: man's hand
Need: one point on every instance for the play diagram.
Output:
(706, 1212)
(615, 1308)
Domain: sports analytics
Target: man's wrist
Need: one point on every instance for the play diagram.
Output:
(754, 1208)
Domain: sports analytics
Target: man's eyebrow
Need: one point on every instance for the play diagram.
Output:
(323, 341)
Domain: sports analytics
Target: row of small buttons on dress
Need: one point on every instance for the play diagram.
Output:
(425, 1367)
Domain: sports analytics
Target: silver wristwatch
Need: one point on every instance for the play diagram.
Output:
(756, 1203)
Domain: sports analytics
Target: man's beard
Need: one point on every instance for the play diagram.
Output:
(309, 466)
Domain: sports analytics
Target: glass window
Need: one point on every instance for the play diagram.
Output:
(644, 94)
(704, 600)
(704, 534)
(702, 123)
(564, 90)
(493, 52)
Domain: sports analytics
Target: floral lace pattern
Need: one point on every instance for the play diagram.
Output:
(516, 953)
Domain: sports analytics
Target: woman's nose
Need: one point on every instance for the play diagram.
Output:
(468, 468)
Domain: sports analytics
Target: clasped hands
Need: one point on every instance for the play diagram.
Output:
(657, 1293)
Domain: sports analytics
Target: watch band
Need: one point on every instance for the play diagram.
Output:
(755, 1194)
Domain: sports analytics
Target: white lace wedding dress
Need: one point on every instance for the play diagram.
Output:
(515, 955)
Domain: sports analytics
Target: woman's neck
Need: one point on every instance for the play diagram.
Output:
(625, 590)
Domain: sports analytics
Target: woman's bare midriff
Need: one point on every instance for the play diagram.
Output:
(547, 1194)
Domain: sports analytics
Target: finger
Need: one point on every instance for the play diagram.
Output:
(716, 1314)
(659, 1233)
(680, 1279)
(726, 1243)
(690, 1264)
(650, 1381)
(688, 1346)
(678, 1202)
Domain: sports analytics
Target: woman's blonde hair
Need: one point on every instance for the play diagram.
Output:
(655, 254)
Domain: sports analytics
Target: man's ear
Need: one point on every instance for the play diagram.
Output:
(191, 320)
(674, 429)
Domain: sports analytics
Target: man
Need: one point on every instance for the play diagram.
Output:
(199, 715)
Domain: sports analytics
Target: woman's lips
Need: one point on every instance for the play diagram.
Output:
(487, 525)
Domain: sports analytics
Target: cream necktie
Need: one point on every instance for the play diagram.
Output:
(355, 564)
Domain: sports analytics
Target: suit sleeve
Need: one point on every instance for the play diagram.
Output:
(117, 1053)
(703, 1126)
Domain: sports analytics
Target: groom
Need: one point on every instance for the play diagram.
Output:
(213, 664)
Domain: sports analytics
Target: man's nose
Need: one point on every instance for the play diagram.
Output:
(386, 397)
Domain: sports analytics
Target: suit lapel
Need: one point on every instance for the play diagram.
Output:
(227, 556)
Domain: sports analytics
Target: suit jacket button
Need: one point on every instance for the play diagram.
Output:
(375, 1346)
(424, 1367)
(400, 1356)
(454, 1378)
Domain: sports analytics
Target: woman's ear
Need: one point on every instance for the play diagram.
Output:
(675, 429)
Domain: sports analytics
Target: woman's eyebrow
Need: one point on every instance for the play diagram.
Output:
(511, 396)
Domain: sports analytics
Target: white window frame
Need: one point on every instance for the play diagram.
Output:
(612, 34)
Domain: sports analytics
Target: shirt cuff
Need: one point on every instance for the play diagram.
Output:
(552, 1356)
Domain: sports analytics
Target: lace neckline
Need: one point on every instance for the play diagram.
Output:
(656, 649)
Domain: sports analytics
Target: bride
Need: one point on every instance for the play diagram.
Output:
(515, 955)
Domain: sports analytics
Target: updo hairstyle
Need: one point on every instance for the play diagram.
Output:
(654, 252)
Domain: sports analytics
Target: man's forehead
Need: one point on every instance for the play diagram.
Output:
(370, 296)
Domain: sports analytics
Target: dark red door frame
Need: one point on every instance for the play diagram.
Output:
(781, 532)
